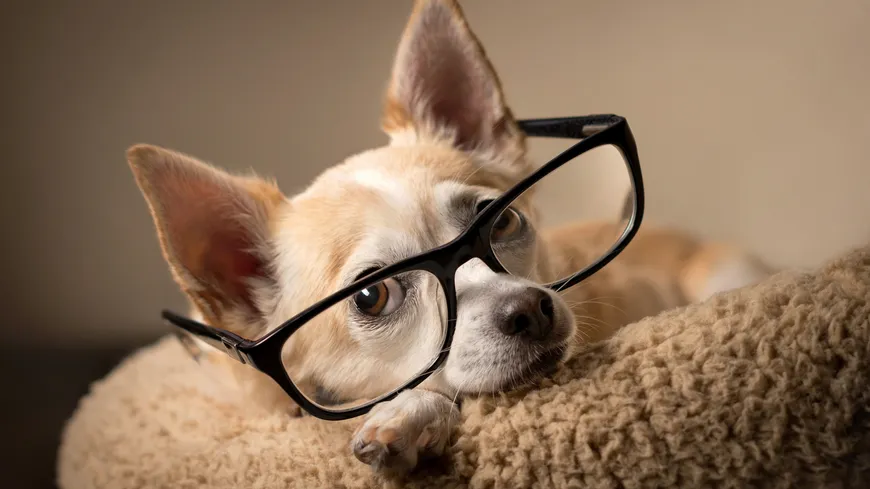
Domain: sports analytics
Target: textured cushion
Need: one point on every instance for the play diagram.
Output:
(766, 386)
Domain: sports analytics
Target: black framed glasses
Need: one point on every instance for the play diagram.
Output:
(421, 289)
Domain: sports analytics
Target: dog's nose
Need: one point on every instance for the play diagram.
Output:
(530, 314)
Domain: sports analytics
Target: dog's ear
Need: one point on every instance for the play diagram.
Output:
(214, 230)
(443, 84)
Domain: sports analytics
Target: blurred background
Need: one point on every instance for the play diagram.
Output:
(752, 121)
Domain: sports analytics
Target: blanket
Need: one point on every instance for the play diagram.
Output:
(766, 386)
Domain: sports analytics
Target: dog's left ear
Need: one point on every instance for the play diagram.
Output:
(215, 232)
(443, 84)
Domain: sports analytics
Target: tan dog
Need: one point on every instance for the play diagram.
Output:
(249, 258)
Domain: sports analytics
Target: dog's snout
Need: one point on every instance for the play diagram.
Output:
(532, 314)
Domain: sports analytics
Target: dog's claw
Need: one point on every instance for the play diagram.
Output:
(396, 434)
(369, 453)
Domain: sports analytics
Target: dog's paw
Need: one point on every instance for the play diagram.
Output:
(396, 434)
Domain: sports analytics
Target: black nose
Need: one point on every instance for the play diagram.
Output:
(530, 314)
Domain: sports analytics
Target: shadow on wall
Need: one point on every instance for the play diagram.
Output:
(45, 386)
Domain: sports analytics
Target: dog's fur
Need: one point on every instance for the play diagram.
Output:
(248, 257)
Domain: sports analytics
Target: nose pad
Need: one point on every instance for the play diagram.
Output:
(532, 314)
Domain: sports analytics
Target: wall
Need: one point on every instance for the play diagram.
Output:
(751, 119)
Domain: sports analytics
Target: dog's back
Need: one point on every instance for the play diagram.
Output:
(660, 269)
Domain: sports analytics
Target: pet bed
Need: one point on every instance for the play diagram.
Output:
(767, 386)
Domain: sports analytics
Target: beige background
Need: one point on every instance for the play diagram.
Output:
(751, 119)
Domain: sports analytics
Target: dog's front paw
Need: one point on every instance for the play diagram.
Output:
(396, 434)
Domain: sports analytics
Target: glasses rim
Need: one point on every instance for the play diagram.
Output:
(592, 131)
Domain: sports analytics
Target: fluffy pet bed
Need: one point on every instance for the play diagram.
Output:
(763, 387)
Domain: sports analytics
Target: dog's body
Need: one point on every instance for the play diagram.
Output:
(249, 258)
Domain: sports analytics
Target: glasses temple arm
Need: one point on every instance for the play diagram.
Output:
(232, 344)
(568, 127)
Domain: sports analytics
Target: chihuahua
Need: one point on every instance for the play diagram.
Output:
(248, 257)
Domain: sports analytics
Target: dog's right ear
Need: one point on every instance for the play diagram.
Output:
(214, 231)
(443, 85)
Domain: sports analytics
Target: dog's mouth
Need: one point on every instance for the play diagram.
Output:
(542, 365)
(547, 362)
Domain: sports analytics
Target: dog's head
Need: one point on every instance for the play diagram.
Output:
(249, 258)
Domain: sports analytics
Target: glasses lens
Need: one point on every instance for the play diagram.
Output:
(568, 220)
(371, 344)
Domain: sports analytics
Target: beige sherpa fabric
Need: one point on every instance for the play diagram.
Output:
(763, 387)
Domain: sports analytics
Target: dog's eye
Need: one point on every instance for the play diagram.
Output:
(507, 224)
(381, 299)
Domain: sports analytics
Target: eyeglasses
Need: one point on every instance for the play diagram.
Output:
(421, 290)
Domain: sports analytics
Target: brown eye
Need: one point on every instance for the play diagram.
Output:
(507, 224)
(381, 299)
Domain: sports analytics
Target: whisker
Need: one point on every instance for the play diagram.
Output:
(598, 301)
(562, 287)
(583, 334)
(576, 287)
(453, 403)
(603, 303)
(480, 167)
(438, 371)
(599, 321)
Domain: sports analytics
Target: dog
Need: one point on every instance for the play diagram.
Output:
(248, 257)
